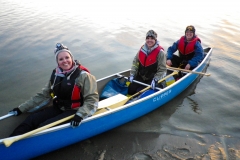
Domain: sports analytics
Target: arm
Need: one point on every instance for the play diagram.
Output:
(198, 56)
(161, 69)
(39, 100)
(172, 49)
(135, 65)
(88, 85)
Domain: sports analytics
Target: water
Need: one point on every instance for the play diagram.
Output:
(201, 123)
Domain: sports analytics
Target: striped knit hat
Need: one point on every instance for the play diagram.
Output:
(151, 33)
(61, 48)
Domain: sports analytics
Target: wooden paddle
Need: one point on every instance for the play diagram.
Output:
(185, 70)
(121, 99)
(7, 142)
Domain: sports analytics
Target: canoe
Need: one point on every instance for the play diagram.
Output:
(106, 118)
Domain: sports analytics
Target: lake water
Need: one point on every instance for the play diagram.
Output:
(201, 123)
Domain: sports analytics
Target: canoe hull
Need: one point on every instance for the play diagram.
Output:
(64, 135)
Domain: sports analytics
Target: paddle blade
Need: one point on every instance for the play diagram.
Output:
(8, 142)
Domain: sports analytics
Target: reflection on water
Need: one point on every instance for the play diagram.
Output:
(105, 35)
(194, 105)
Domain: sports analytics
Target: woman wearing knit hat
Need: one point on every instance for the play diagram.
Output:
(189, 48)
(149, 64)
(72, 89)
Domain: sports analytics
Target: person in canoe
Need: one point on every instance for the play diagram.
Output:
(72, 89)
(149, 64)
(190, 51)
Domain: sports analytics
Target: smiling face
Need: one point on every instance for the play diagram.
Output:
(189, 35)
(150, 41)
(64, 61)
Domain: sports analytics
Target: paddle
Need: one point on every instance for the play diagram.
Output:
(113, 103)
(7, 142)
(185, 70)
(6, 116)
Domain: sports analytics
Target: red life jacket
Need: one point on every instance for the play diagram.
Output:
(187, 48)
(76, 98)
(67, 92)
(147, 60)
(148, 63)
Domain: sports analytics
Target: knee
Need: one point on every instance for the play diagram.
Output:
(131, 90)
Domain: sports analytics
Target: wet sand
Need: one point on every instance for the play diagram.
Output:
(117, 145)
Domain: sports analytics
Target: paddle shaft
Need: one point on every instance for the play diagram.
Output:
(185, 70)
(6, 116)
(9, 141)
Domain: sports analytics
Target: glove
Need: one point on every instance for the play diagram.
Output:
(15, 111)
(154, 83)
(76, 121)
(130, 78)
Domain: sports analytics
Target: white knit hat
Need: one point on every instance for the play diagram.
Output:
(61, 48)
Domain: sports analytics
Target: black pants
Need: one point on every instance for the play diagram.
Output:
(41, 118)
(179, 62)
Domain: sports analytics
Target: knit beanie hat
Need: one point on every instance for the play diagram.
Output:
(151, 33)
(61, 48)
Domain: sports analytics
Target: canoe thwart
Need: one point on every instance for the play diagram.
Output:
(111, 101)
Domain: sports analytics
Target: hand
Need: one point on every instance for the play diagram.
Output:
(130, 78)
(76, 121)
(154, 83)
(15, 111)
(187, 67)
(169, 62)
